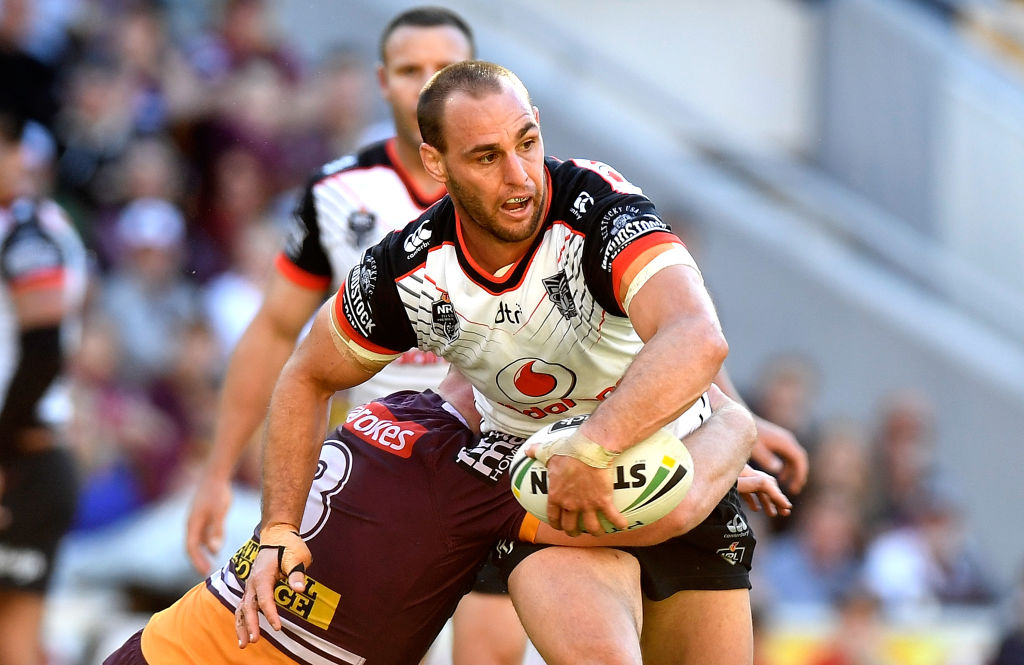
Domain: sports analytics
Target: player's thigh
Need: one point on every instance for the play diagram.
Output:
(486, 631)
(698, 628)
(580, 605)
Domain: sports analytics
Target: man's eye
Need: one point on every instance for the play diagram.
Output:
(488, 158)
(528, 144)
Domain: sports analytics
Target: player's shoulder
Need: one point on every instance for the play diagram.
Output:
(434, 227)
(368, 157)
(578, 185)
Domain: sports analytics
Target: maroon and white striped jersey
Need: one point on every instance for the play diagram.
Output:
(397, 531)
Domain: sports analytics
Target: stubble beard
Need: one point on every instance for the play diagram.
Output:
(482, 219)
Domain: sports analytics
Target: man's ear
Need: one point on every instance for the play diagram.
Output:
(536, 115)
(433, 163)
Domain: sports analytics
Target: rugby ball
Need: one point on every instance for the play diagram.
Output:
(648, 479)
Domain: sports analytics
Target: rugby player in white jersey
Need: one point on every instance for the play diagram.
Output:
(42, 286)
(556, 289)
(349, 205)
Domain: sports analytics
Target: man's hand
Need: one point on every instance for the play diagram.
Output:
(282, 554)
(761, 491)
(576, 493)
(779, 453)
(204, 531)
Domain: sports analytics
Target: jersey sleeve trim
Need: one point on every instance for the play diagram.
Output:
(358, 344)
(51, 278)
(298, 276)
(624, 261)
(676, 255)
(528, 529)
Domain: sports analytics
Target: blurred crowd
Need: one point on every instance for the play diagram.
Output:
(176, 135)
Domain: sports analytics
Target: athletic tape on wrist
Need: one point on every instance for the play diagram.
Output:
(277, 537)
(577, 446)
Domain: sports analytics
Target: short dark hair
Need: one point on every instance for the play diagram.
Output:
(473, 77)
(427, 17)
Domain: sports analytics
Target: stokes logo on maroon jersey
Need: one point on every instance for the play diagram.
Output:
(377, 426)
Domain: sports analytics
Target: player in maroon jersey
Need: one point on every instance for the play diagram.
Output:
(397, 529)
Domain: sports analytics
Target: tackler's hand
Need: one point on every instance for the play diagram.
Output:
(579, 484)
(282, 554)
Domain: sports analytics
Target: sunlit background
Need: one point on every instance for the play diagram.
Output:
(848, 173)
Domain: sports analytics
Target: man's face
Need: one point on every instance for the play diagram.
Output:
(411, 56)
(494, 164)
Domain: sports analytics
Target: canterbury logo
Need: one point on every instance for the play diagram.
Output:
(737, 524)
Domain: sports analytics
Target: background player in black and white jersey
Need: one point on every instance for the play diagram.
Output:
(42, 285)
(348, 206)
(549, 308)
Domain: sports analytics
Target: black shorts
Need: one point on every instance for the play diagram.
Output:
(490, 578)
(716, 555)
(40, 491)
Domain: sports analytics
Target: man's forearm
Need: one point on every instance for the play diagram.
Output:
(669, 374)
(295, 432)
(248, 383)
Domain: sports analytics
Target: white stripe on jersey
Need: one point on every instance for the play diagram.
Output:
(298, 643)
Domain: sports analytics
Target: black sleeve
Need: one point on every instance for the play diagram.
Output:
(370, 301)
(618, 221)
(303, 246)
(39, 364)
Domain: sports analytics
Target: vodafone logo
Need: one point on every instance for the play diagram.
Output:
(375, 425)
(535, 381)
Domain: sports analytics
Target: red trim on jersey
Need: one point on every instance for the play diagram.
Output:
(298, 276)
(634, 249)
(426, 199)
(50, 278)
(339, 315)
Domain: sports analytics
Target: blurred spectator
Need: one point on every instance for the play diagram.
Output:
(115, 429)
(906, 468)
(1010, 647)
(231, 299)
(27, 81)
(245, 32)
(928, 562)
(841, 461)
(819, 560)
(150, 168)
(147, 294)
(339, 98)
(859, 636)
(94, 128)
(784, 393)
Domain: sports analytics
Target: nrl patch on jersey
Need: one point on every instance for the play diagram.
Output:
(443, 319)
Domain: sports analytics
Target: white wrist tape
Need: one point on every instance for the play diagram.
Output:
(578, 447)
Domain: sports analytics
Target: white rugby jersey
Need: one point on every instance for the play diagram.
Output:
(351, 204)
(547, 339)
(39, 248)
